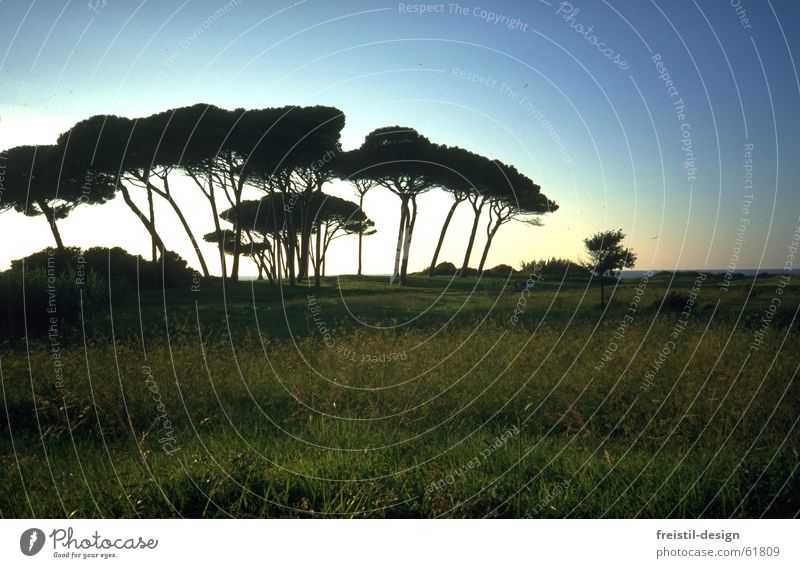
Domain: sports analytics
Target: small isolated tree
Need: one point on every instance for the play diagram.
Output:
(607, 256)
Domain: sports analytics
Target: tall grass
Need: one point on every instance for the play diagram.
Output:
(268, 426)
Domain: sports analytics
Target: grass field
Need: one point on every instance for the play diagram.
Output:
(441, 398)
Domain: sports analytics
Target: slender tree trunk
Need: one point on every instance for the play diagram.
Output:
(291, 249)
(360, 233)
(152, 212)
(279, 262)
(442, 234)
(167, 195)
(237, 232)
(213, 202)
(305, 236)
(318, 263)
(50, 215)
(267, 269)
(489, 238)
(275, 254)
(143, 218)
(400, 234)
(477, 209)
(218, 228)
(602, 292)
(286, 254)
(237, 187)
(411, 221)
(277, 251)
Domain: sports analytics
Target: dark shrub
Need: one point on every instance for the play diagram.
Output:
(555, 268)
(444, 269)
(41, 301)
(120, 265)
(673, 302)
(501, 270)
(60, 259)
(56, 282)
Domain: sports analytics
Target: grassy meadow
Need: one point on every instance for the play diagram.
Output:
(443, 398)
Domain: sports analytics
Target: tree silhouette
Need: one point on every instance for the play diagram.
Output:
(264, 218)
(607, 256)
(335, 217)
(330, 218)
(483, 178)
(257, 249)
(348, 166)
(289, 153)
(39, 180)
(456, 164)
(112, 145)
(210, 157)
(513, 196)
(402, 161)
(295, 154)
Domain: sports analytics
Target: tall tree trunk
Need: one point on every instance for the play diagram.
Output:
(143, 218)
(152, 212)
(489, 238)
(442, 234)
(277, 261)
(218, 228)
(290, 252)
(277, 257)
(411, 221)
(237, 230)
(50, 215)
(318, 263)
(360, 233)
(305, 236)
(400, 234)
(213, 202)
(477, 209)
(602, 292)
(167, 195)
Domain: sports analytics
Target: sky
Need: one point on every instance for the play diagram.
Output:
(674, 121)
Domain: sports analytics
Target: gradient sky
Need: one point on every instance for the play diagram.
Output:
(603, 141)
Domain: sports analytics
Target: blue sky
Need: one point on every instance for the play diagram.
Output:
(602, 138)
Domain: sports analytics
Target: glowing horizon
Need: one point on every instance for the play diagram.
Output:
(607, 142)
